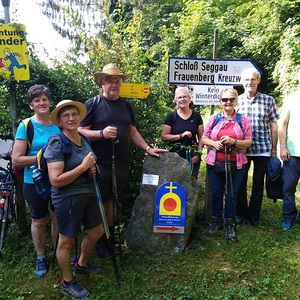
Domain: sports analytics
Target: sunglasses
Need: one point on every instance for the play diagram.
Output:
(226, 99)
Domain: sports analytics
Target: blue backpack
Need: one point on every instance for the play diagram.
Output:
(238, 119)
(40, 172)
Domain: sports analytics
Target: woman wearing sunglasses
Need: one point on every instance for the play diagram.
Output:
(227, 135)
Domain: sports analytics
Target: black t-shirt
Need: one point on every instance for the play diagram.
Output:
(179, 125)
(106, 113)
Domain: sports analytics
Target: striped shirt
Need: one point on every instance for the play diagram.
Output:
(261, 110)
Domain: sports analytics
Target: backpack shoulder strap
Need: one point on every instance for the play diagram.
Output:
(39, 157)
(216, 120)
(64, 143)
(173, 116)
(96, 100)
(85, 138)
(29, 131)
(238, 119)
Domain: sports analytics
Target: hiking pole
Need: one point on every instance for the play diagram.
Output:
(54, 251)
(232, 192)
(107, 232)
(115, 197)
(226, 189)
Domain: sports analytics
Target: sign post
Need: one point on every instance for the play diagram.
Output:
(21, 206)
(134, 90)
(207, 71)
(209, 77)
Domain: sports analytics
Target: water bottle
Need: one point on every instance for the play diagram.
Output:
(38, 180)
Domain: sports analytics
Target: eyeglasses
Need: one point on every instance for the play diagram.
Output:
(226, 99)
(68, 116)
(182, 97)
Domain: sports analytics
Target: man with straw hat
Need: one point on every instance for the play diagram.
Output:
(110, 126)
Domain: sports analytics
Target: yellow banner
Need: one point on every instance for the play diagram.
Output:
(13, 52)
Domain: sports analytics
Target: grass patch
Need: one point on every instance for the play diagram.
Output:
(264, 263)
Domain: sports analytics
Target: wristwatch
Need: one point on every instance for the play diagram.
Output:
(146, 149)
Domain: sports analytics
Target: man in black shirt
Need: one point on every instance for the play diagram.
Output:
(110, 125)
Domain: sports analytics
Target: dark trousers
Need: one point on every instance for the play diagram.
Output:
(220, 186)
(252, 210)
(290, 177)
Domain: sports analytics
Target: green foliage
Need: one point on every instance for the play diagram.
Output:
(262, 264)
(140, 36)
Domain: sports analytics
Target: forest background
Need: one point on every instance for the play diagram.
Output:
(140, 36)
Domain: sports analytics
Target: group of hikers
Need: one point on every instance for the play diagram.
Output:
(99, 134)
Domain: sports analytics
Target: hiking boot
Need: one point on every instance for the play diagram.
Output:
(240, 220)
(230, 229)
(215, 225)
(41, 267)
(74, 289)
(88, 269)
(287, 224)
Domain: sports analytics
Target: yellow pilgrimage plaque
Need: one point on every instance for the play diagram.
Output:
(13, 52)
(134, 90)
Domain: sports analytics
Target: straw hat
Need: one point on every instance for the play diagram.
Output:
(81, 108)
(109, 70)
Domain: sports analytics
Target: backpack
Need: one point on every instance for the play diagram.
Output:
(238, 119)
(29, 131)
(40, 170)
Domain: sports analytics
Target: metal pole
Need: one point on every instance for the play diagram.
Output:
(21, 206)
(6, 4)
(13, 105)
(207, 200)
(216, 36)
(12, 84)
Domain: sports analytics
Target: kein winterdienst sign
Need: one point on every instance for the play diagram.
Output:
(207, 71)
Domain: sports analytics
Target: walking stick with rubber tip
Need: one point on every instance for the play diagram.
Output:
(54, 251)
(232, 192)
(226, 189)
(115, 197)
(228, 174)
(107, 232)
(105, 223)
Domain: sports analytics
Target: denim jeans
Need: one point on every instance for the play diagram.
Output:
(220, 186)
(290, 177)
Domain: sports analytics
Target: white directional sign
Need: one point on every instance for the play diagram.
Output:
(207, 94)
(207, 71)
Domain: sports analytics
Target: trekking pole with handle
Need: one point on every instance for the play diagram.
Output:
(115, 197)
(226, 189)
(107, 232)
(228, 174)
(232, 191)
